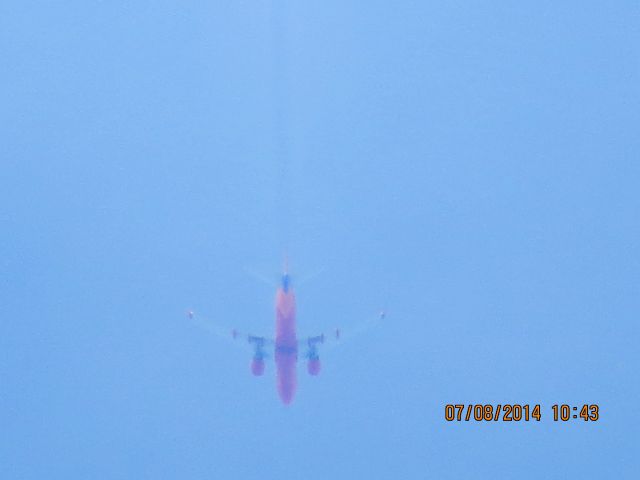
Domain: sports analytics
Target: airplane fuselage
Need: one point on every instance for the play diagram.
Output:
(286, 343)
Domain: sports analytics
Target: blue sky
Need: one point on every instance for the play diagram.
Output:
(473, 168)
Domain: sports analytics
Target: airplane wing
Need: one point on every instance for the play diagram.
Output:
(309, 347)
(259, 343)
(234, 334)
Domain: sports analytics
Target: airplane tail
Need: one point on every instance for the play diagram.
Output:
(275, 280)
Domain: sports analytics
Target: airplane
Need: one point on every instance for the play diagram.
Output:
(286, 345)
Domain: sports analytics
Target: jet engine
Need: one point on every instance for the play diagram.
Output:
(313, 366)
(257, 366)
